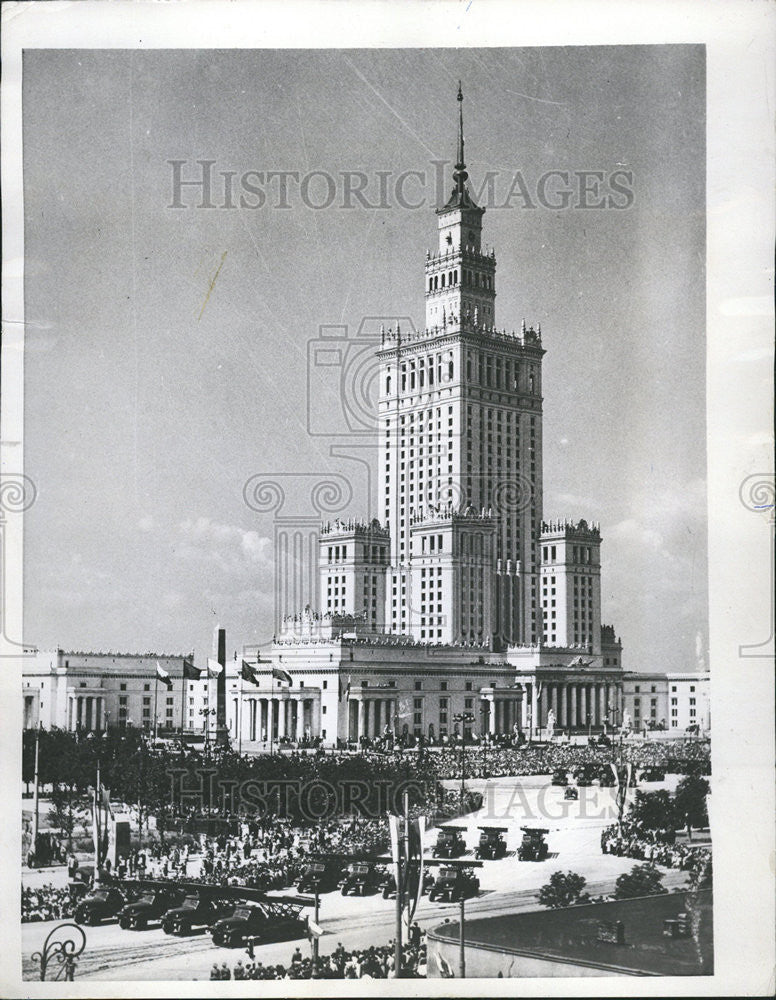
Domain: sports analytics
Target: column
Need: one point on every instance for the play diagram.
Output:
(555, 705)
(573, 706)
(601, 703)
(98, 714)
(364, 728)
(378, 713)
(534, 707)
(583, 705)
(563, 707)
(492, 717)
(593, 701)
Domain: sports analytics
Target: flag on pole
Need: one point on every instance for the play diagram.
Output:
(214, 668)
(163, 676)
(282, 675)
(248, 673)
(345, 690)
(414, 889)
(190, 672)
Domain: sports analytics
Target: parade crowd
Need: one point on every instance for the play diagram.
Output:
(375, 962)
(263, 855)
(676, 756)
(46, 903)
(657, 846)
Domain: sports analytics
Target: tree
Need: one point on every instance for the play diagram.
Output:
(641, 880)
(654, 811)
(690, 802)
(700, 872)
(563, 889)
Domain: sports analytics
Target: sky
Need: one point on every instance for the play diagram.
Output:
(167, 348)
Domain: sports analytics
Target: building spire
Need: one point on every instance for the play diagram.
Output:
(460, 174)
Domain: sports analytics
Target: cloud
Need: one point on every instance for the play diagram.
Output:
(227, 547)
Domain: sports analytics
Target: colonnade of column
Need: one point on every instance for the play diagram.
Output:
(575, 704)
(370, 716)
(86, 711)
(502, 716)
(266, 719)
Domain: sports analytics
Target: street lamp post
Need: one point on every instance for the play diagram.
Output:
(206, 713)
(485, 710)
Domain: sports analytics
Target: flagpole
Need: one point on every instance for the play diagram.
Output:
(183, 696)
(156, 698)
(240, 715)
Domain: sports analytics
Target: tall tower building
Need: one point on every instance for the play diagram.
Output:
(571, 584)
(460, 423)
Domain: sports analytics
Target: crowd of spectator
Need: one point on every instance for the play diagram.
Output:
(674, 756)
(375, 962)
(261, 855)
(656, 846)
(46, 903)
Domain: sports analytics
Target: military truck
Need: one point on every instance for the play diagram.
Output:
(271, 920)
(492, 844)
(100, 904)
(195, 911)
(359, 879)
(388, 883)
(454, 884)
(533, 846)
(321, 876)
(450, 842)
(152, 904)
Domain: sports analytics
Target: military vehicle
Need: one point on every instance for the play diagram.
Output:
(571, 792)
(270, 920)
(321, 875)
(560, 776)
(359, 878)
(388, 883)
(454, 884)
(152, 904)
(100, 904)
(492, 844)
(533, 846)
(195, 911)
(450, 842)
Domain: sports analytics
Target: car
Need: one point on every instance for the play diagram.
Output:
(258, 923)
(359, 878)
(321, 876)
(492, 844)
(453, 884)
(571, 792)
(533, 846)
(560, 777)
(100, 904)
(194, 911)
(450, 843)
(152, 904)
